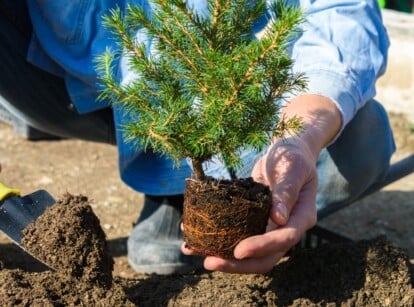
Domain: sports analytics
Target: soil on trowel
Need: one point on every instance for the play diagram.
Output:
(68, 237)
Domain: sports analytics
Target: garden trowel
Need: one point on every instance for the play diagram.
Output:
(17, 212)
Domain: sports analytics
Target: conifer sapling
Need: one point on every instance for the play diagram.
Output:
(205, 85)
(210, 88)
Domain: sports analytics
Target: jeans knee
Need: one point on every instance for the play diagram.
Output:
(359, 158)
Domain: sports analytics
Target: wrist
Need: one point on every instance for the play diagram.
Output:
(321, 120)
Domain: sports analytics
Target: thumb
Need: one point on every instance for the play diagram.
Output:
(284, 196)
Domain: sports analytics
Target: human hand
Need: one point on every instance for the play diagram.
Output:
(289, 170)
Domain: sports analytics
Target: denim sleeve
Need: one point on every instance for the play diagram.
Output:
(342, 51)
(67, 36)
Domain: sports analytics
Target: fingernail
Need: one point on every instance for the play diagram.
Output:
(281, 211)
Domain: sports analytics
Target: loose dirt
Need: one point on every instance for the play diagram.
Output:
(373, 272)
(68, 237)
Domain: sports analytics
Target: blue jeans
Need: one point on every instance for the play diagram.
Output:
(359, 158)
(347, 168)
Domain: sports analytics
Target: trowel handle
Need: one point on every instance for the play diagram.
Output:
(5, 191)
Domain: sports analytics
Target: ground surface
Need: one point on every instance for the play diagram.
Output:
(91, 169)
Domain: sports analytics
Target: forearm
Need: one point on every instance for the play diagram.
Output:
(320, 117)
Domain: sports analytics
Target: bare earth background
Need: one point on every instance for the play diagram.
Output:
(90, 169)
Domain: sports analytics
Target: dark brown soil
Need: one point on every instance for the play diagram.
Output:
(367, 273)
(68, 237)
(219, 214)
(20, 288)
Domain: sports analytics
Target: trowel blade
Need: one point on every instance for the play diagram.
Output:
(16, 213)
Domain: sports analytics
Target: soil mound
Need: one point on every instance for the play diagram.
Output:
(69, 238)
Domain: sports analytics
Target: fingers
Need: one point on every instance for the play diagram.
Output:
(304, 213)
(279, 212)
(288, 197)
(251, 256)
(245, 266)
(286, 169)
(277, 241)
(283, 200)
(258, 254)
(282, 238)
(286, 188)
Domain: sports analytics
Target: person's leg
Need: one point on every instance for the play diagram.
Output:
(154, 245)
(35, 96)
(360, 157)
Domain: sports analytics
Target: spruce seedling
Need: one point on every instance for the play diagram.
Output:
(205, 85)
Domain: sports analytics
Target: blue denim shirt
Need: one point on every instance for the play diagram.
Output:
(342, 51)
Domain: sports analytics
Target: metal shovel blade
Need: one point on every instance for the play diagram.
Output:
(18, 212)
